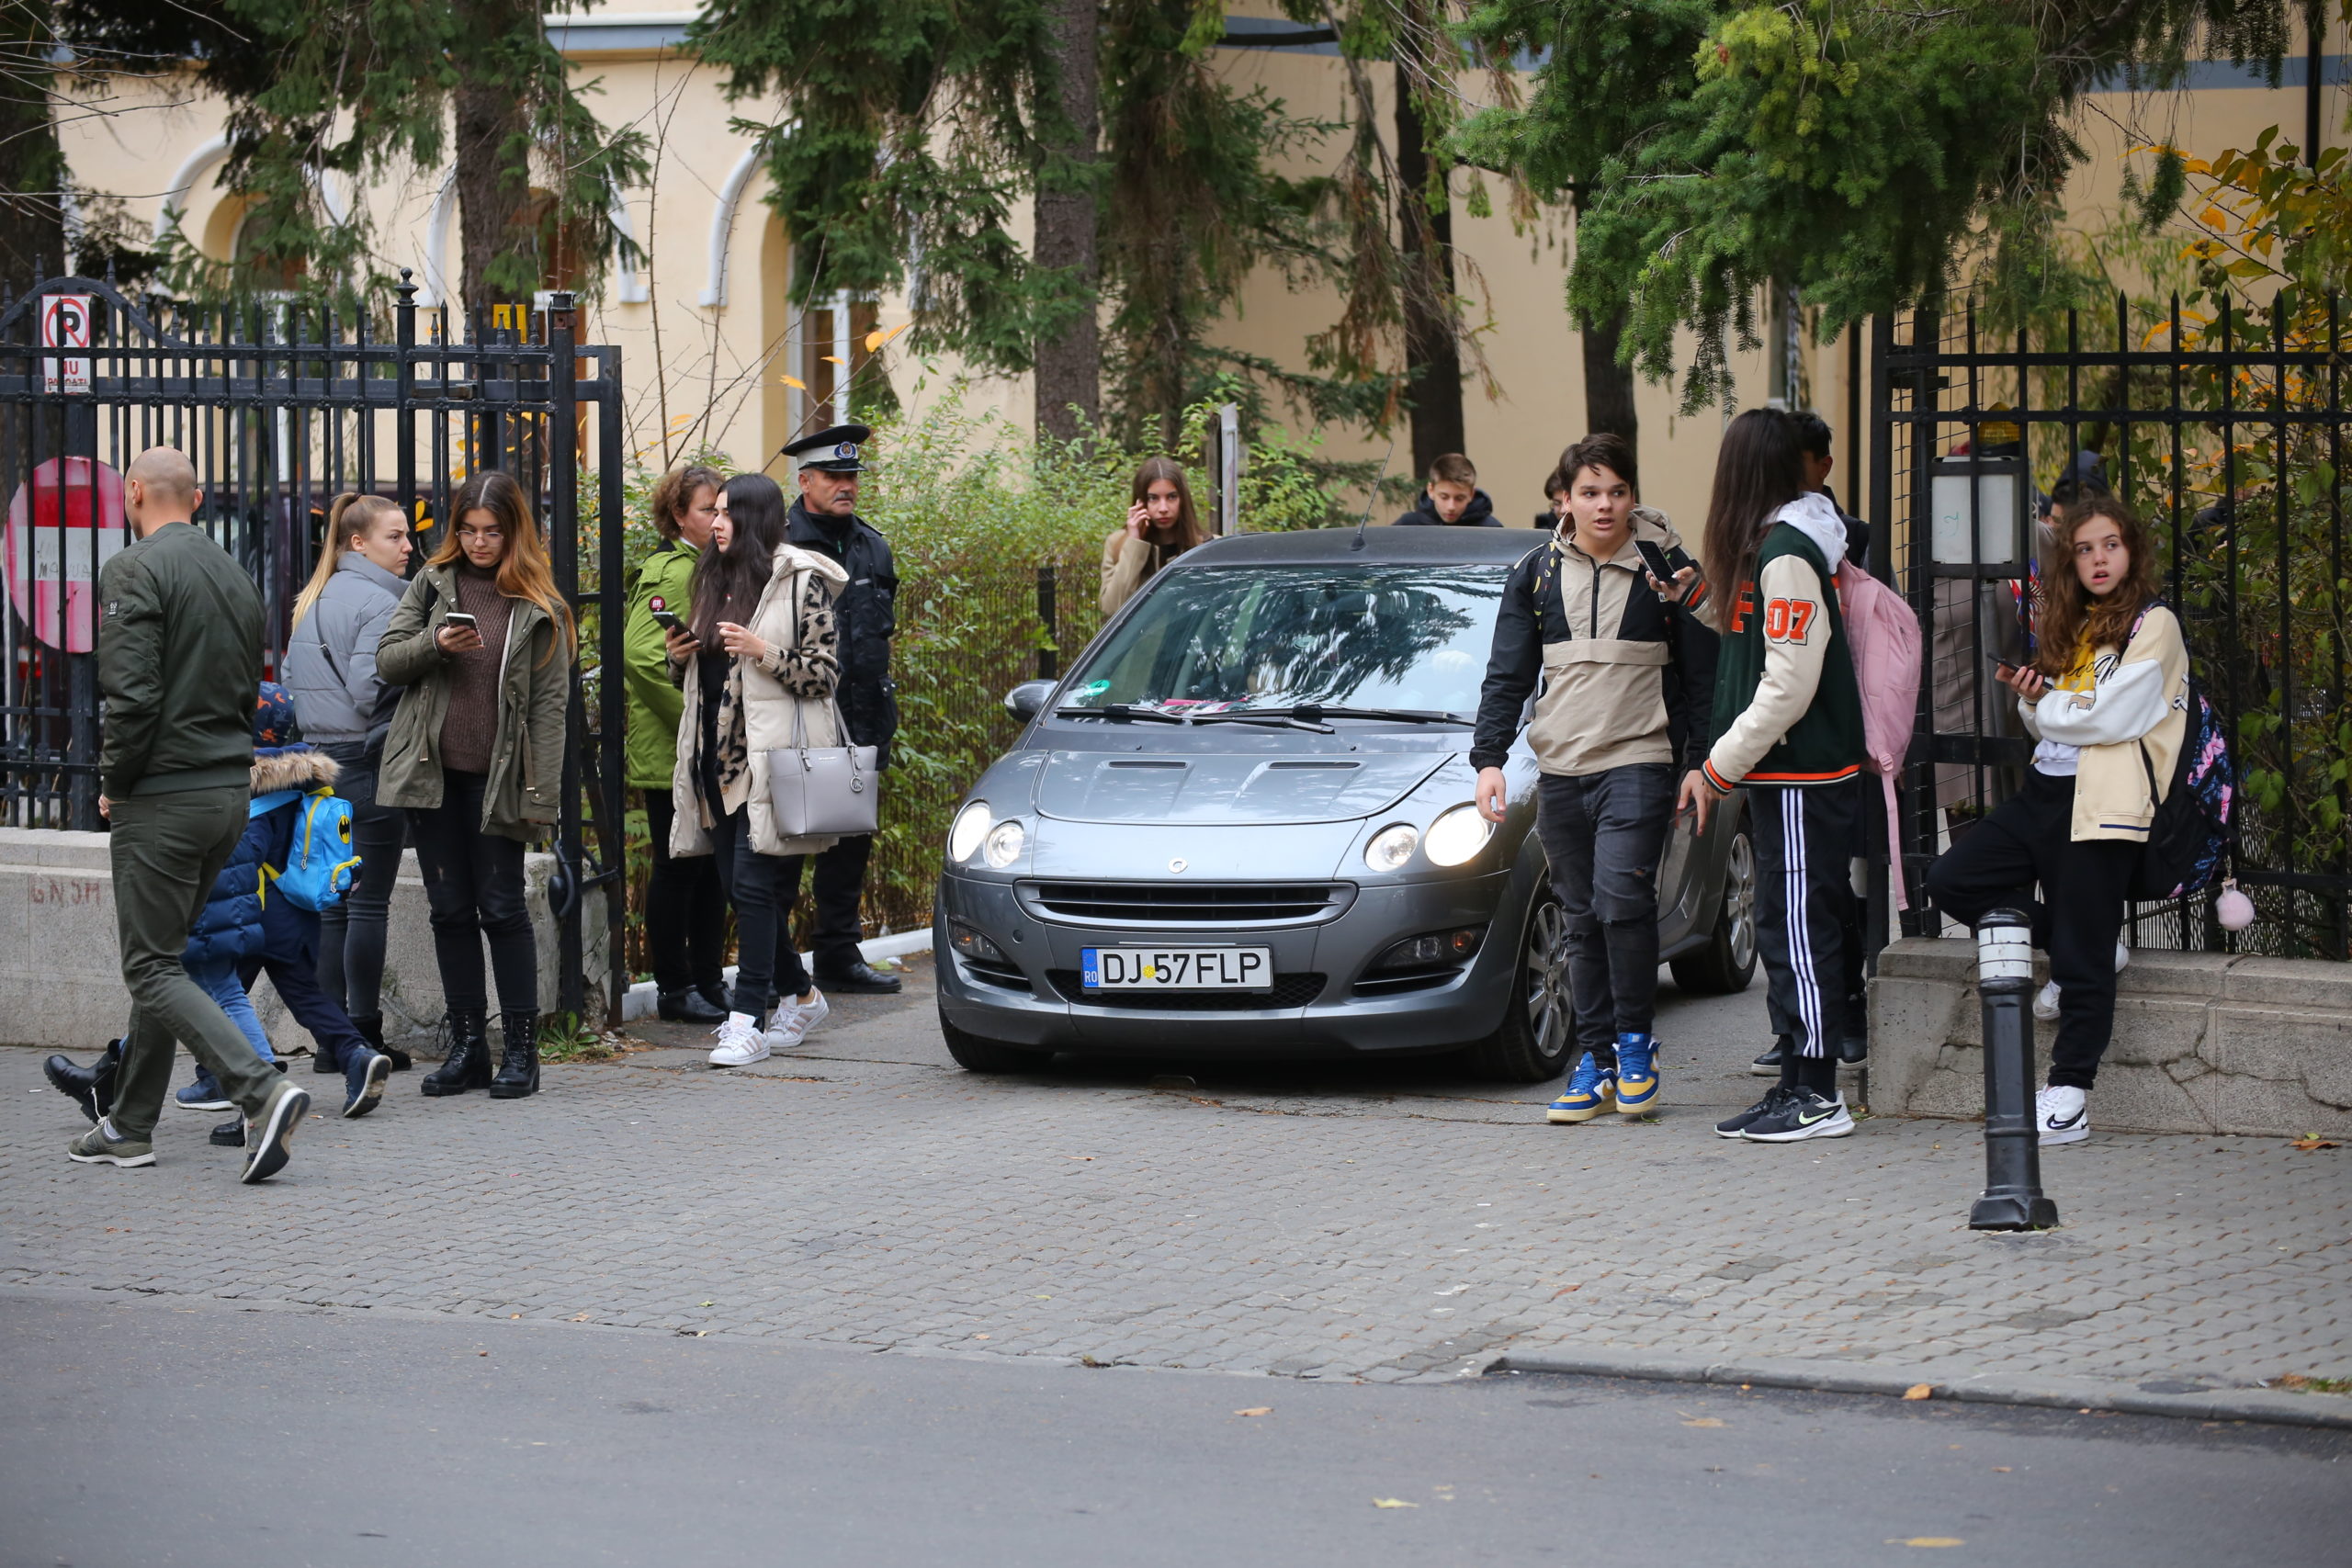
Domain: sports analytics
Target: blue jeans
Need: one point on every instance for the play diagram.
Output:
(217, 979)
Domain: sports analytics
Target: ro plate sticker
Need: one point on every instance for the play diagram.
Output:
(1091, 959)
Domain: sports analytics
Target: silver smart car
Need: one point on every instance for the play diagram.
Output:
(1241, 826)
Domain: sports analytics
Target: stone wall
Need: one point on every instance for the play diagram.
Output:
(60, 977)
(2204, 1041)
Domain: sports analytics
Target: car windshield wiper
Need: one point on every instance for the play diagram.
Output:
(1122, 710)
(1272, 718)
(1408, 716)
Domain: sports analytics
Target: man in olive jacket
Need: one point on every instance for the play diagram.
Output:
(179, 661)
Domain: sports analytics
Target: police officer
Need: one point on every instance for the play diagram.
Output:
(825, 518)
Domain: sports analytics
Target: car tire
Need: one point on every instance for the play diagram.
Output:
(1538, 1027)
(1728, 962)
(975, 1054)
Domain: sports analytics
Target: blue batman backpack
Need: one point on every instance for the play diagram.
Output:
(319, 860)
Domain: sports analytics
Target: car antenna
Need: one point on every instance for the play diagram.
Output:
(1373, 498)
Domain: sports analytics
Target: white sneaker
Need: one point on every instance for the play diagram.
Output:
(740, 1043)
(793, 1019)
(2045, 1003)
(2063, 1115)
(2122, 955)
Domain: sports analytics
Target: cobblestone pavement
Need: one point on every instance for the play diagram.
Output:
(1376, 1221)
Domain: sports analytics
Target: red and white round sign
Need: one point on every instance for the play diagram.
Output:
(64, 524)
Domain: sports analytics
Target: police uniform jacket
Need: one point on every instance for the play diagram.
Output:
(866, 614)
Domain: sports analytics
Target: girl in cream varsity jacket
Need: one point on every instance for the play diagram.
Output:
(2107, 702)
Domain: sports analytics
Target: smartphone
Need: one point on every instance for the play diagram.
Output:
(459, 618)
(1678, 557)
(668, 621)
(1660, 567)
(2003, 669)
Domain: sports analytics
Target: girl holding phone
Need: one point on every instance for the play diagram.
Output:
(2107, 702)
(1160, 527)
(483, 645)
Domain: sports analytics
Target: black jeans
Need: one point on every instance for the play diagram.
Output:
(1603, 834)
(1805, 840)
(686, 908)
(837, 887)
(763, 890)
(473, 884)
(2030, 838)
(351, 935)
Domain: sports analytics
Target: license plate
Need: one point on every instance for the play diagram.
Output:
(1177, 968)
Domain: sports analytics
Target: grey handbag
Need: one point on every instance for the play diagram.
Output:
(821, 792)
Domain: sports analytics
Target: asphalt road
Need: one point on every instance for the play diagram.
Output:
(146, 1431)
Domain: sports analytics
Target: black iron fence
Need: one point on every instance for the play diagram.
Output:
(282, 405)
(2223, 428)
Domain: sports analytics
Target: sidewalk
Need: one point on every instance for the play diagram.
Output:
(1382, 1223)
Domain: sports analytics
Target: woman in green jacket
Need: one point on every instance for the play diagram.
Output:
(483, 643)
(686, 912)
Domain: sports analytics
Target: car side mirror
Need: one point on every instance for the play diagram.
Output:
(1024, 701)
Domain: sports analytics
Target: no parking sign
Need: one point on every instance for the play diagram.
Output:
(65, 323)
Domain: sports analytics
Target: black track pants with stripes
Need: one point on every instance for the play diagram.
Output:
(1805, 841)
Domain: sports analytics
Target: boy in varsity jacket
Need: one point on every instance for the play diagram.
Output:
(1788, 727)
(1627, 671)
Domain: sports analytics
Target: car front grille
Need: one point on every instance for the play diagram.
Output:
(1187, 902)
(1294, 990)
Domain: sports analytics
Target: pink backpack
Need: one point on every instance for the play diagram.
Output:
(1883, 633)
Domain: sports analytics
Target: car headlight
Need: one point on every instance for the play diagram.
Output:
(1457, 836)
(971, 825)
(1392, 847)
(1003, 845)
(974, 944)
(1436, 950)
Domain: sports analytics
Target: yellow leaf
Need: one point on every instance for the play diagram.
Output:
(874, 340)
(1704, 1421)
(794, 382)
(1257, 1410)
(1393, 1503)
(1929, 1540)
(1920, 1391)
(832, 359)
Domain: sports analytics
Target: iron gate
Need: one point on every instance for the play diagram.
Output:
(2223, 428)
(281, 405)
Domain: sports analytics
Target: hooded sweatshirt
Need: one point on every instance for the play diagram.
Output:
(1626, 676)
(1788, 708)
(2116, 722)
(1479, 514)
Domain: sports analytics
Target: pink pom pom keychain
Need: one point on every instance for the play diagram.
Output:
(2234, 908)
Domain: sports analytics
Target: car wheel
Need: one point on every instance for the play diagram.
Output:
(975, 1054)
(1539, 1022)
(1728, 959)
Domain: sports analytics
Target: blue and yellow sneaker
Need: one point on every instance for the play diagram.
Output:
(1636, 1075)
(1591, 1090)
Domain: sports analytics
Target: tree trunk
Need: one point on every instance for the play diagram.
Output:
(32, 170)
(1432, 349)
(1069, 362)
(1609, 386)
(496, 243)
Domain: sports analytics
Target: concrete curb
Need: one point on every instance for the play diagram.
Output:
(642, 998)
(1844, 1377)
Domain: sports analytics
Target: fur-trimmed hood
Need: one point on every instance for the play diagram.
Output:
(293, 767)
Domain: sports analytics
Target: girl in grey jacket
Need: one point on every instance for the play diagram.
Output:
(345, 710)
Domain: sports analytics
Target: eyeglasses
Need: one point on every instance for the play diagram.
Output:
(487, 535)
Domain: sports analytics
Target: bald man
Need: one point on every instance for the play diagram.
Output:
(179, 660)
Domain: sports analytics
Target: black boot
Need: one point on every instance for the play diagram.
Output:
(519, 1068)
(324, 1058)
(688, 1007)
(467, 1063)
(714, 993)
(371, 1029)
(91, 1087)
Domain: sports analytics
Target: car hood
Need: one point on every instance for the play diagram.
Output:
(1090, 786)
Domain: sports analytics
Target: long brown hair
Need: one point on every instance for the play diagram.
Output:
(524, 571)
(676, 492)
(728, 583)
(1188, 526)
(2072, 622)
(1759, 470)
(353, 516)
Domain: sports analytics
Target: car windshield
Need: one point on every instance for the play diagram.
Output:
(1236, 640)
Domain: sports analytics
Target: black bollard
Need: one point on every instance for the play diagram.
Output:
(2012, 1199)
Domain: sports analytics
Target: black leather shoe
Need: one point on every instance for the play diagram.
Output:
(859, 978)
(688, 1007)
(230, 1135)
(467, 1063)
(716, 995)
(518, 1065)
(371, 1029)
(1768, 1065)
(91, 1087)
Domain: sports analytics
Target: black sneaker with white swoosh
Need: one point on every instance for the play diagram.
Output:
(1803, 1114)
